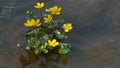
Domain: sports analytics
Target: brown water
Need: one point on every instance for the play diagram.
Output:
(95, 38)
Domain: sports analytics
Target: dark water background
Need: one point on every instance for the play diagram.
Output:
(95, 38)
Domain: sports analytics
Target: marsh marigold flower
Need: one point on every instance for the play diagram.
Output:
(54, 10)
(48, 18)
(32, 23)
(39, 5)
(67, 27)
(53, 42)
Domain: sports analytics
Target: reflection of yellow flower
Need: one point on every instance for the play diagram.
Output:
(32, 22)
(53, 42)
(48, 18)
(54, 10)
(67, 27)
(39, 5)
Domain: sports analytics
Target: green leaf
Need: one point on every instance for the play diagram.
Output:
(43, 45)
(65, 45)
(31, 32)
(44, 50)
(49, 47)
(37, 43)
(52, 25)
(44, 14)
(63, 51)
(28, 38)
(59, 21)
(30, 15)
(65, 48)
(36, 51)
(28, 41)
(60, 36)
(45, 37)
(41, 30)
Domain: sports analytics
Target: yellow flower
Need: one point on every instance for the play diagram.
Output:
(32, 22)
(48, 18)
(48, 10)
(67, 27)
(39, 5)
(53, 42)
(54, 10)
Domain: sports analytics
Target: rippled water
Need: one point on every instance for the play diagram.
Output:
(95, 38)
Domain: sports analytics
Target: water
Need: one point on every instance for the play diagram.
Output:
(95, 38)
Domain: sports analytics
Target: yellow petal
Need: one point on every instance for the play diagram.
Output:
(58, 13)
(71, 27)
(28, 21)
(66, 30)
(48, 18)
(47, 10)
(42, 4)
(38, 24)
(49, 41)
(55, 7)
(32, 20)
(57, 43)
(54, 40)
(60, 9)
(64, 25)
(69, 24)
(35, 6)
(38, 20)
(39, 5)
(27, 24)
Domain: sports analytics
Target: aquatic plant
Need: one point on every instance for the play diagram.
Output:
(46, 32)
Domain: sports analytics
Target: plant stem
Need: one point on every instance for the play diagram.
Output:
(62, 33)
(36, 34)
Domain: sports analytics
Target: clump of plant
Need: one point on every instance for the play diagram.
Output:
(46, 32)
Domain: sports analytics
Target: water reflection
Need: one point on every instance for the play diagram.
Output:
(51, 60)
